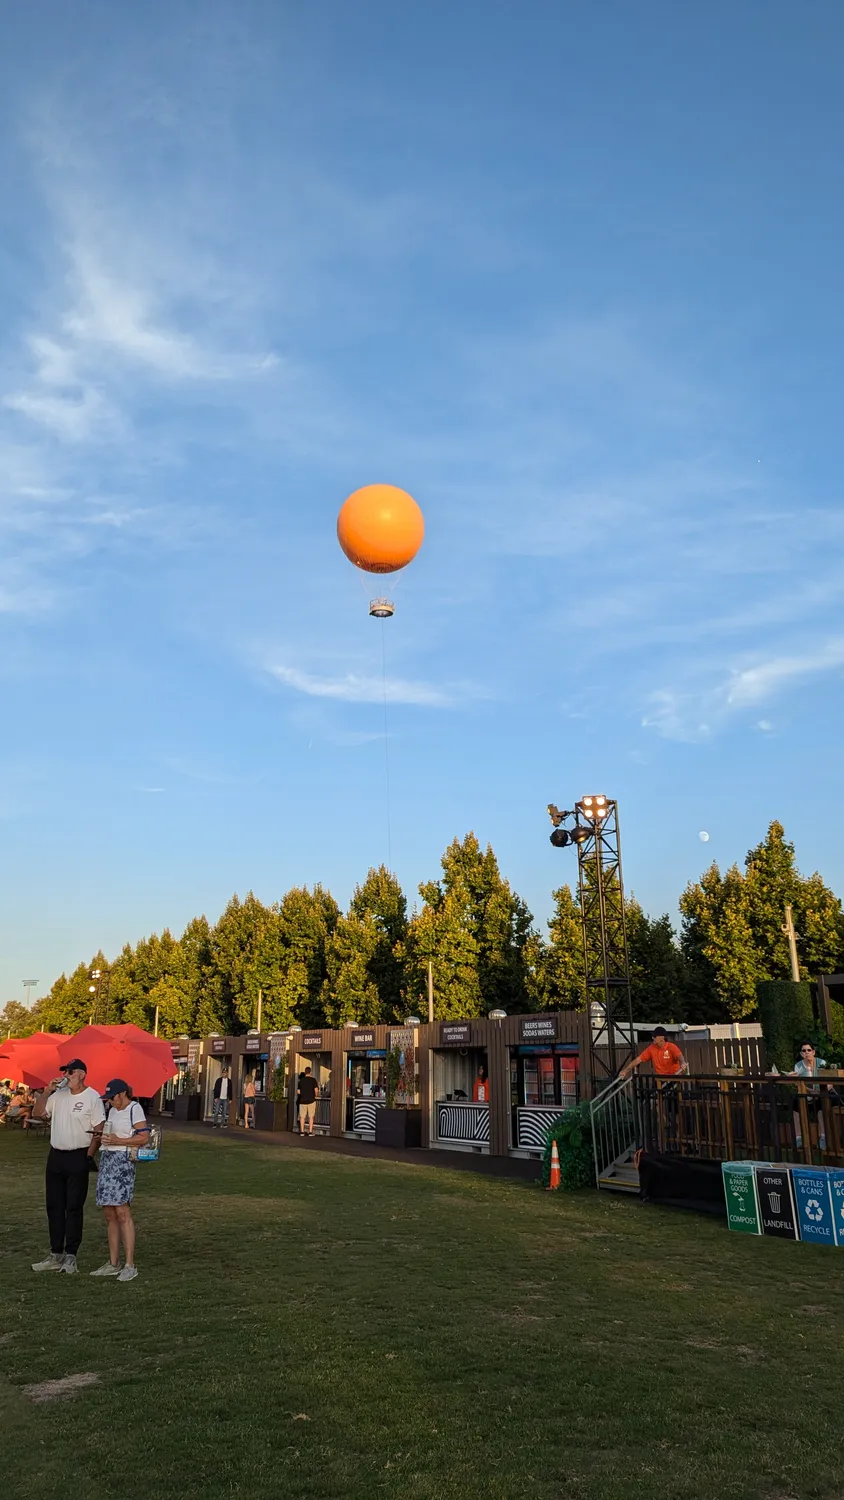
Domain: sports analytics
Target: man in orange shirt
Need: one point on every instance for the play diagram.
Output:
(668, 1061)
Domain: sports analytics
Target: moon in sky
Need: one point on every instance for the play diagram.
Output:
(703, 836)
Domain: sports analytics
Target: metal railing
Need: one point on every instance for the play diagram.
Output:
(614, 1118)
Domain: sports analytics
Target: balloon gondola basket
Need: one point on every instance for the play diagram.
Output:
(382, 609)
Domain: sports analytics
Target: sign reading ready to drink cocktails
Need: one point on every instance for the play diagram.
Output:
(740, 1194)
(814, 1205)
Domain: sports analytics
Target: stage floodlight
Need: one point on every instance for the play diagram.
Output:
(560, 837)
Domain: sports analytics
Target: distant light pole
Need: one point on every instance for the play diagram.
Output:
(29, 986)
(94, 989)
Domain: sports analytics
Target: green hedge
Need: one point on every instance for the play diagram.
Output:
(786, 1017)
(573, 1134)
(836, 1021)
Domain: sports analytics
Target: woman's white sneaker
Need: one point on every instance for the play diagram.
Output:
(128, 1273)
(107, 1270)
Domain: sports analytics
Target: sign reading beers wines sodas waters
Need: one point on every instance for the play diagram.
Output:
(740, 1195)
(538, 1029)
(776, 1202)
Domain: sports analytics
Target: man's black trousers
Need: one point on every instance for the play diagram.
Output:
(67, 1189)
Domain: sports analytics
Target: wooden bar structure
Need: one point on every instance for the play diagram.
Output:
(446, 1056)
(732, 1117)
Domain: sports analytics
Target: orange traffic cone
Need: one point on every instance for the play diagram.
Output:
(555, 1168)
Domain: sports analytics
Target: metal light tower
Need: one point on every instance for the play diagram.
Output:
(29, 986)
(601, 889)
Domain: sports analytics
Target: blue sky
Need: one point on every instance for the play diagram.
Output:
(569, 274)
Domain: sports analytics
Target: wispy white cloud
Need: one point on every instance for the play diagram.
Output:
(355, 688)
(697, 710)
(676, 716)
(758, 683)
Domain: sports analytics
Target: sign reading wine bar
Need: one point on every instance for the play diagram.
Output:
(363, 1038)
(538, 1029)
(455, 1033)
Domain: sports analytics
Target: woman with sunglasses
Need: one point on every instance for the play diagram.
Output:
(807, 1066)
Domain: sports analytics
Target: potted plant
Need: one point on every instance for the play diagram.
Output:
(186, 1102)
(398, 1124)
(271, 1113)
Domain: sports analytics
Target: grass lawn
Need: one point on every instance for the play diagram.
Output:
(314, 1325)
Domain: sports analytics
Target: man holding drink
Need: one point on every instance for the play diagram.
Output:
(76, 1116)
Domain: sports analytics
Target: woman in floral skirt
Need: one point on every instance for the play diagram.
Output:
(125, 1129)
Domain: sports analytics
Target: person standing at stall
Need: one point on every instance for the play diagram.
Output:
(249, 1092)
(307, 1096)
(222, 1094)
(75, 1113)
(480, 1089)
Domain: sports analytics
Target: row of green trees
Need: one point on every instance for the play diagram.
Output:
(316, 965)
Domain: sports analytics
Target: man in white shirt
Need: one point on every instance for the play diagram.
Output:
(76, 1116)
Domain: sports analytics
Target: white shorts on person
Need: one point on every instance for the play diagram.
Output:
(116, 1175)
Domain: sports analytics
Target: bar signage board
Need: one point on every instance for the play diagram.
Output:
(538, 1029)
(310, 1041)
(776, 1202)
(363, 1038)
(455, 1033)
(814, 1205)
(253, 1044)
(740, 1195)
(218, 1044)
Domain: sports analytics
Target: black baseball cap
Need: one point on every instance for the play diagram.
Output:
(658, 1031)
(116, 1086)
(76, 1063)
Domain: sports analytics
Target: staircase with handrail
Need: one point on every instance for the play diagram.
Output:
(615, 1136)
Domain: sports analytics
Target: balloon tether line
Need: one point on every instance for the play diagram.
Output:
(386, 749)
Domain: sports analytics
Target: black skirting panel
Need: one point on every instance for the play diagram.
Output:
(682, 1182)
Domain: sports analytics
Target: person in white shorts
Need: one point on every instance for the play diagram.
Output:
(307, 1097)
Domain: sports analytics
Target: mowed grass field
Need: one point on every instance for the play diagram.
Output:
(314, 1325)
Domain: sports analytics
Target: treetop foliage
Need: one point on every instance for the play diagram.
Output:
(315, 965)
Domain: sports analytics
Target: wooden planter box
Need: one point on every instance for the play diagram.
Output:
(270, 1114)
(186, 1107)
(398, 1127)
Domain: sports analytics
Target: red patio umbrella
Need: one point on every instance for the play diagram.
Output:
(145, 1062)
(33, 1060)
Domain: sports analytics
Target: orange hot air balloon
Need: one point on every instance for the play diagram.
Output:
(380, 528)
